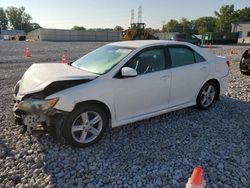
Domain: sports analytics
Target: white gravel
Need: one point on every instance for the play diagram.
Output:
(158, 152)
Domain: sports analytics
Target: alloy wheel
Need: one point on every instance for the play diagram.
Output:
(208, 95)
(86, 127)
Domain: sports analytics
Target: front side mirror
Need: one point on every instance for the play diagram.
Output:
(128, 72)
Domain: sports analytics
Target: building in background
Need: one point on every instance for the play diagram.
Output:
(12, 34)
(243, 28)
(42, 34)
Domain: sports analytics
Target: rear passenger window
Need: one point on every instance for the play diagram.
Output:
(181, 56)
(198, 58)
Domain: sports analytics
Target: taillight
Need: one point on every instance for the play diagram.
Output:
(228, 63)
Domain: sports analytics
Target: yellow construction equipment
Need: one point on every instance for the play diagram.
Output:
(137, 31)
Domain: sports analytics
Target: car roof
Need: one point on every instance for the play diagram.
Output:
(142, 43)
(148, 43)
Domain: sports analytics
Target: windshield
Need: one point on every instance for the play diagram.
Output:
(102, 59)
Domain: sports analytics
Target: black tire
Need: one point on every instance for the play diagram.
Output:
(199, 104)
(245, 73)
(74, 115)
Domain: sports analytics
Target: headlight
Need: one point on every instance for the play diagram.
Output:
(52, 102)
(36, 105)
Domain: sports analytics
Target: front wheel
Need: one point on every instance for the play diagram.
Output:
(85, 125)
(207, 96)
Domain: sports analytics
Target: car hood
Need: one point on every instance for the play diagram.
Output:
(39, 76)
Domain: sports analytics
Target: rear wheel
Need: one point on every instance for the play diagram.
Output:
(207, 96)
(85, 126)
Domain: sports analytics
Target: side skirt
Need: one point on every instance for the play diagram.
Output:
(146, 116)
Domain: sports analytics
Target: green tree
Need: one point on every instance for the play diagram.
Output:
(79, 28)
(186, 26)
(118, 28)
(242, 14)
(172, 26)
(182, 26)
(30, 26)
(205, 24)
(3, 19)
(18, 18)
(225, 17)
(35, 26)
(151, 30)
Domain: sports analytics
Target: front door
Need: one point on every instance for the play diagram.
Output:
(147, 92)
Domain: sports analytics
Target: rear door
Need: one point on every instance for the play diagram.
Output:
(189, 70)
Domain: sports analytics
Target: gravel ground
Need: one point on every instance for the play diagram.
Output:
(157, 152)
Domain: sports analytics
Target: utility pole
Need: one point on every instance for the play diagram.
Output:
(140, 14)
(132, 16)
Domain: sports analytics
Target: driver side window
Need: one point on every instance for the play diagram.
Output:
(149, 61)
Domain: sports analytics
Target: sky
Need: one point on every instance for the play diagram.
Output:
(64, 14)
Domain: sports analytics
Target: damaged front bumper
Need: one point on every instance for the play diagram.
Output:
(30, 113)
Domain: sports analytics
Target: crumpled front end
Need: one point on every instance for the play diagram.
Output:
(30, 113)
(33, 111)
(32, 106)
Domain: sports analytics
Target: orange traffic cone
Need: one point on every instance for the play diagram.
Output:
(196, 180)
(27, 52)
(232, 51)
(64, 59)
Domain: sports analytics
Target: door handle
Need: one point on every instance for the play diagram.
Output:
(165, 77)
(203, 68)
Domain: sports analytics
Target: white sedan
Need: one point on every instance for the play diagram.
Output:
(117, 84)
